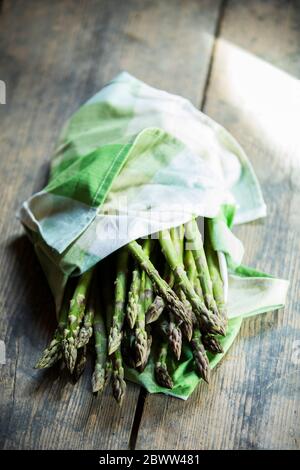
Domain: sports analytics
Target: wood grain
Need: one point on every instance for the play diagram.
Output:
(253, 400)
(54, 55)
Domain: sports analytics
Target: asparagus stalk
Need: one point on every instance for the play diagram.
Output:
(217, 282)
(115, 334)
(171, 328)
(194, 237)
(168, 295)
(107, 318)
(148, 297)
(177, 237)
(76, 312)
(53, 352)
(200, 357)
(149, 344)
(190, 268)
(140, 330)
(148, 291)
(190, 265)
(187, 328)
(210, 342)
(86, 331)
(133, 297)
(209, 321)
(117, 370)
(172, 332)
(155, 309)
(98, 377)
(118, 382)
(108, 322)
(162, 375)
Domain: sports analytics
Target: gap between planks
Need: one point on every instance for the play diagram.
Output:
(210, 65)
(143, 393)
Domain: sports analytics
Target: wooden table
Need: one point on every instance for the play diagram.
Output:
(239, 62)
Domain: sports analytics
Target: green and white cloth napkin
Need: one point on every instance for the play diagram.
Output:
(134, 160)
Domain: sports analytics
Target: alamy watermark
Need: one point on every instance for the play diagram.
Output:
(2, 92)
(123, 221)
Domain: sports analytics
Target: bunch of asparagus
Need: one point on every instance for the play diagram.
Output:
(185, 303)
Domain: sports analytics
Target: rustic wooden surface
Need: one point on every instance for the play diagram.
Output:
(241, 61)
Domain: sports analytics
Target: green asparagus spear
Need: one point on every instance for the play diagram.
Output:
(172, 331)
(115, 332)
(86, 331)
(140, 329)
(187, 328)
(194, 237)
(149, 344)
(148, 297)
(117, 370)
(107, 307)
(177, 237)
(210, 342)
(214, 270)
(53, 352)
(156, 308)
(118, 382)
(190, 265)
(190, 268)
(208, 320)
(200, 357)
(148, 291)
(76, 312)
(162, 375)
(100, 335)
(170, 298)
(133, 297)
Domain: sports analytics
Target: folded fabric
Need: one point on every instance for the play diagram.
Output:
(134, 160)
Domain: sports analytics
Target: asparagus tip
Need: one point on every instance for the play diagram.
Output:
(149, 344)
(212, 344)
(51, 354)
(162, 376)
(70, 353)
(98, 379)
(119, 389)
(114, 341)
(141, 346)
(84, 336)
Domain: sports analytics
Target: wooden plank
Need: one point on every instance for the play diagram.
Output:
(54, 55)
(253, 400)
